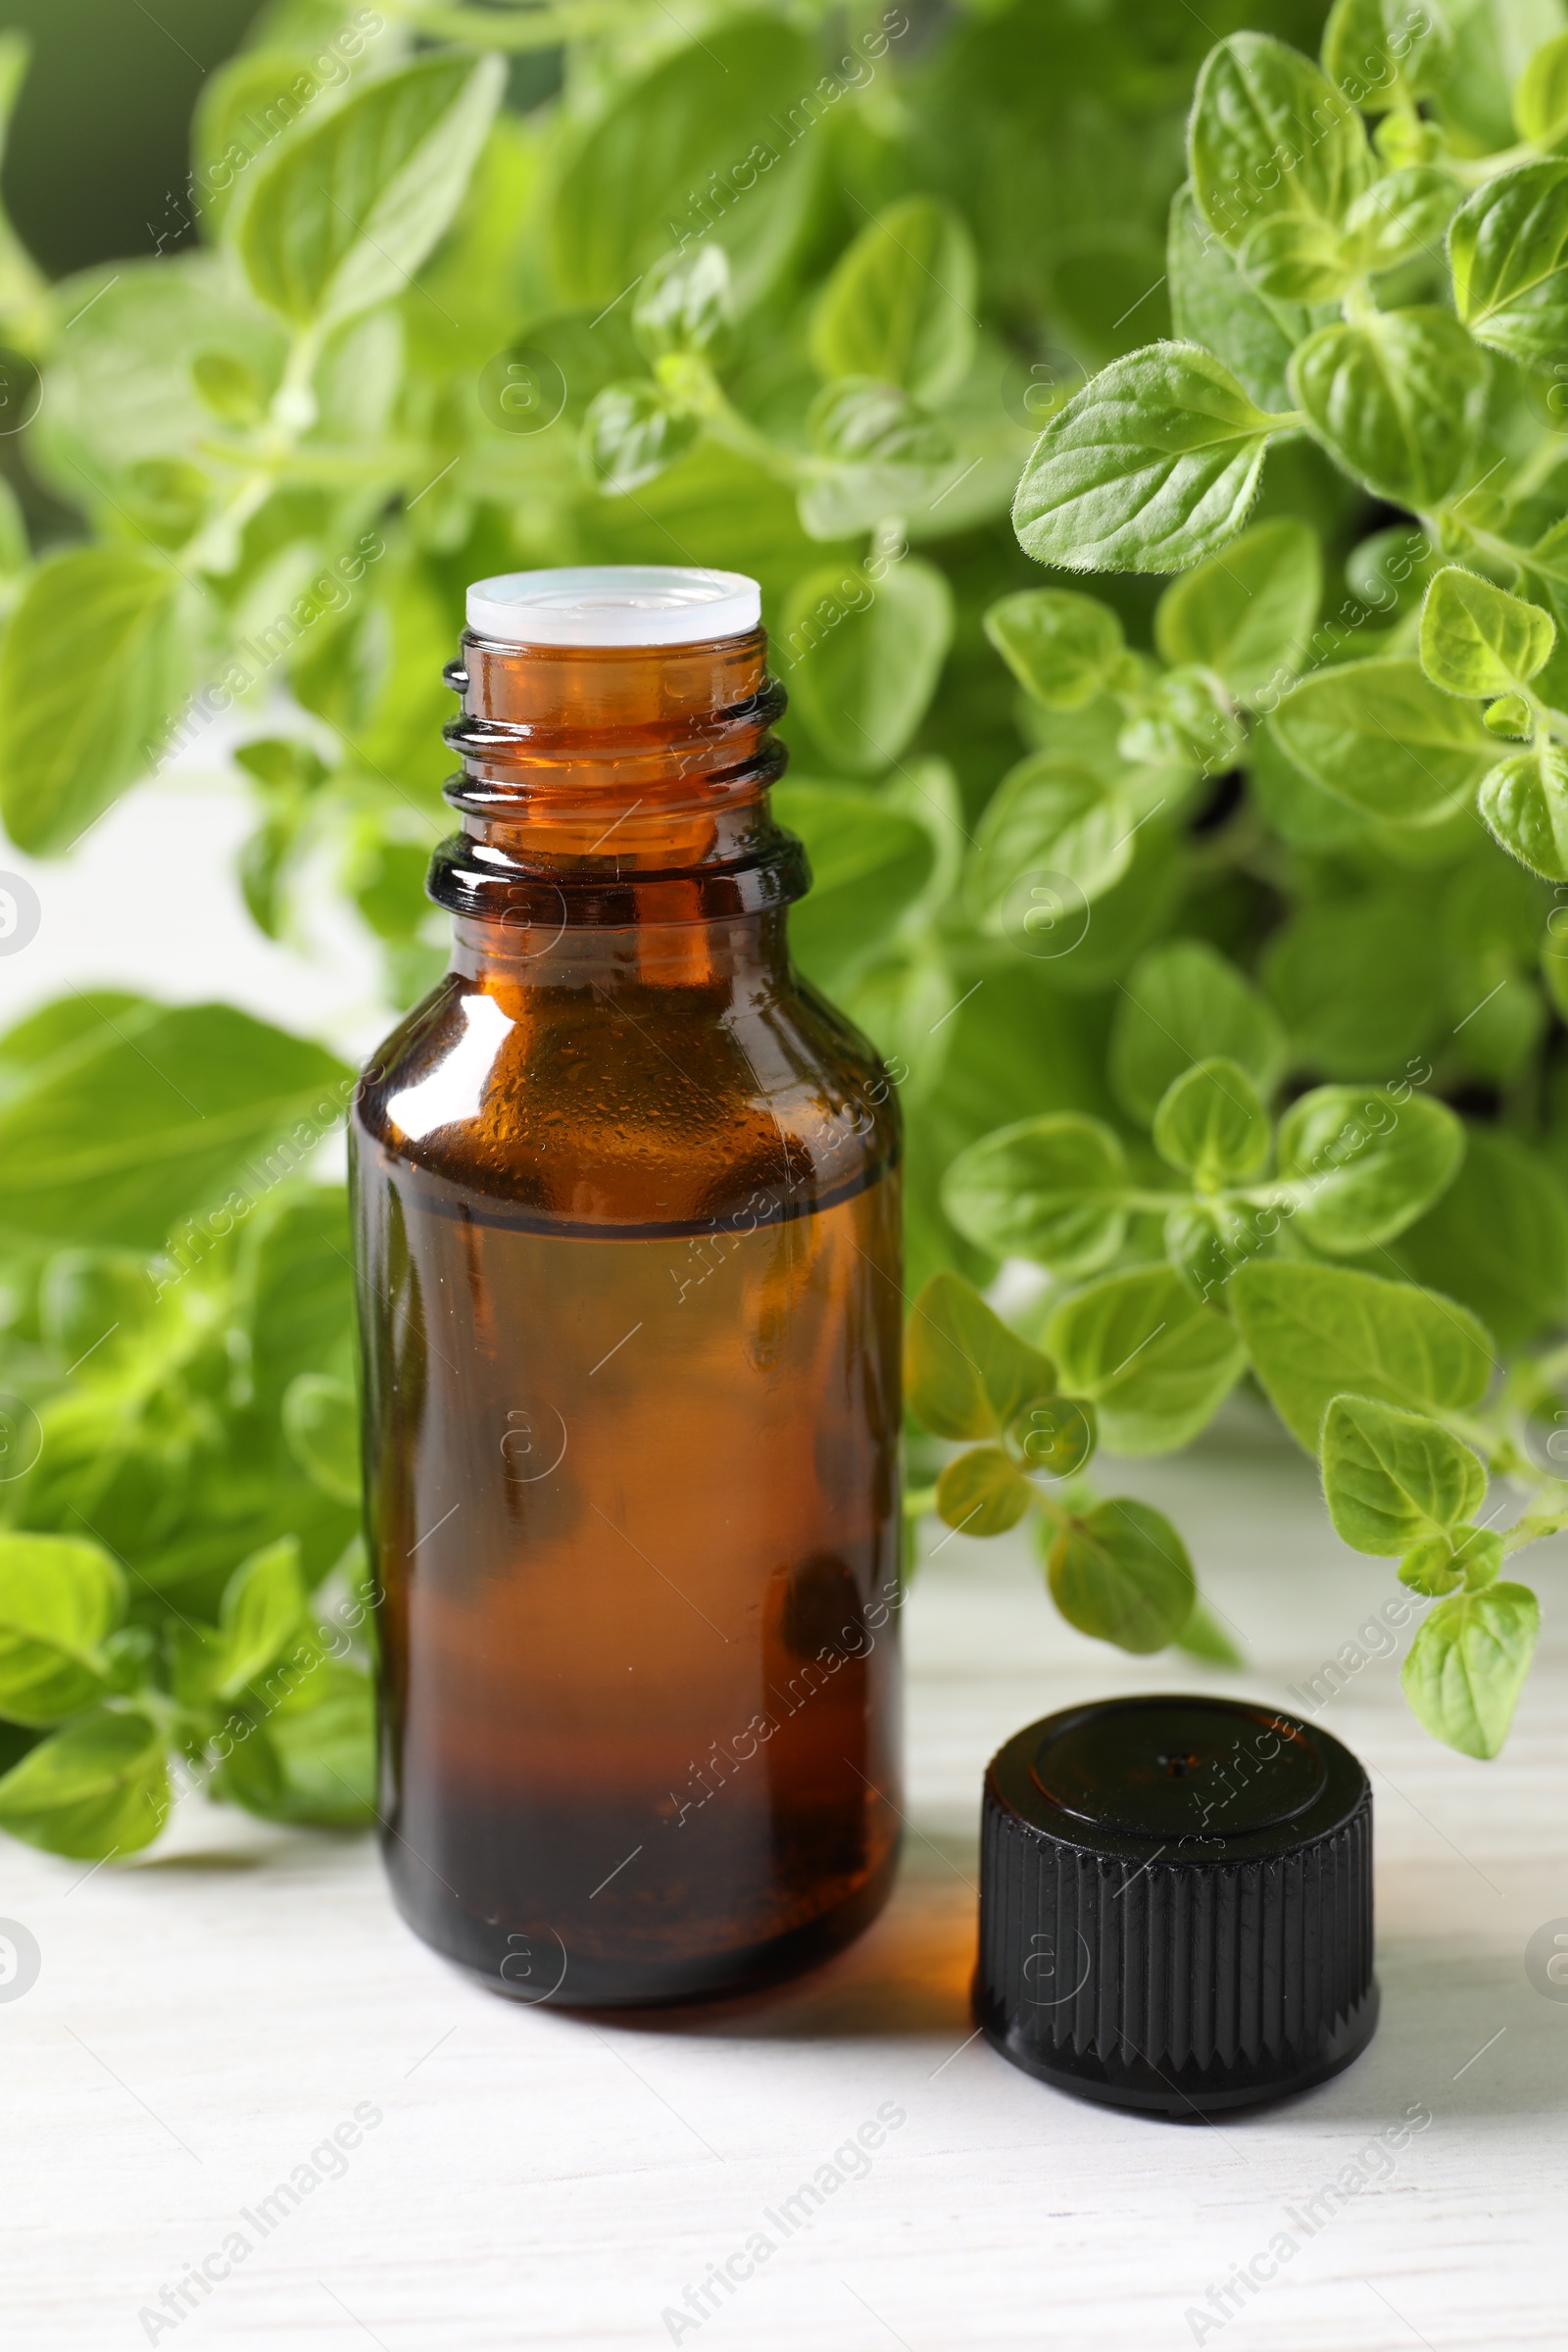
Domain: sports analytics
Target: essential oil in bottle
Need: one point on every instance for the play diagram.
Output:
(626, 1202)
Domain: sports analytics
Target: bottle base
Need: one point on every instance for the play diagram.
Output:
(539, 1971)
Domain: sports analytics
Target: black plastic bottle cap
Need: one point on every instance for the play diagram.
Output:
(1176, 1903)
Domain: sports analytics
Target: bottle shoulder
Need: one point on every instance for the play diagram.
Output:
(650, 1104)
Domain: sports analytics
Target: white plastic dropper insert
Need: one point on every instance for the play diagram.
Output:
(614, 604)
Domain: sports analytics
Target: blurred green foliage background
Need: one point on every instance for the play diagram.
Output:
(300, 343)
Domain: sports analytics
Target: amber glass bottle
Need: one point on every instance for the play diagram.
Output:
(627, 1230)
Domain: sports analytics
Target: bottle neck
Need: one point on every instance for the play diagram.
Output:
(738, 960)
(610, 789)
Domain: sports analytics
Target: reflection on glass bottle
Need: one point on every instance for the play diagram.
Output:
(628, 1215)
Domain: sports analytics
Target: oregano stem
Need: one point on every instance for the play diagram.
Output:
(214, 547)
(1532, 1527)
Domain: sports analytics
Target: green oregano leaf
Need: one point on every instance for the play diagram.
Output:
(230, 387)
(311, 1760)
(885, 454)
(1207, 1240)
(1181, 1003)
(1397, 400)
(1478, 1554)
(1476, 639)
(1361, 1166)
(1393, 1479)
(1184, 722)
(1269, 134)
(1298, 259)
(155, 1113)
(1540, 96)
(870, 654)
(1379, 736)
(263, 1608)
(1508, 251)
(1496, 1239)
(900, 303)
(1212, 304)
(1385, 53)
(103, 1300)
(1389, 571)
(686, 304)
(1400, 217)
(1509, 716)
(1467, 1666)
(1246, 615)
(983, 1492)
(965, 1374)
(1211, 1124)
(96, 1788)
(1358, 982)
(60, 1601)
(1151, 465)
(1061, 647)
(634, 172)
(1203, 1636)
(1057, 815)
(1315, 1332)
(1121, 1573)
(871, 863)
(1052, 1189)
(632, 433)
(1058, 1435)
(1153, 1360)
(859, 421)
(1525, 803)
(115, 615)
(1460, 1556)
(342, 211)
(321, 1424)
(1430, 1567)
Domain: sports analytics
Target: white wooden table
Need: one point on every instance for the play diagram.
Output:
(204, 2020)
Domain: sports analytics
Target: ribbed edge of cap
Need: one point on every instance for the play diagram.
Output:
(1177, 1987)
(614, 604)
